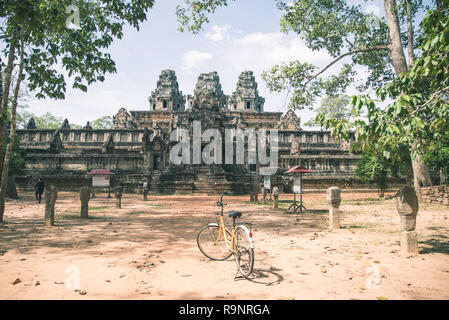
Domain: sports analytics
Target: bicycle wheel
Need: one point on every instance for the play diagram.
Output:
(244, 254)
(210, 245)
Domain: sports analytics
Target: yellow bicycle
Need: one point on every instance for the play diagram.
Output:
(217, 243)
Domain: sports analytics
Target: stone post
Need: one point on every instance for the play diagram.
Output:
(50, 198)
(276, 197)
(407, 206)
(334, 200)
(145, 194)
(118, 197)
(264, 194)
(84, 198)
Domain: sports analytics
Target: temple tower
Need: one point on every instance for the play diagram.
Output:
(208, 92)
(167, 96)
(246, 96)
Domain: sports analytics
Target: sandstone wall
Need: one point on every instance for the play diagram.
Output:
(436, 194)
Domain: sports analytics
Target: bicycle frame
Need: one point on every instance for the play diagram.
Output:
(228, 242)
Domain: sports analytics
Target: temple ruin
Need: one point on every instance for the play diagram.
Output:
(136, 148)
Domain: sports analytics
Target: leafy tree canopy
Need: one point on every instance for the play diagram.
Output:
(53, 49)
(336, 107)
(49, 121)
(419, 114)
(104, 122)
(372, 168)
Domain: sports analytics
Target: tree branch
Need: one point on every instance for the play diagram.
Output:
(375, 48)
(422, 106)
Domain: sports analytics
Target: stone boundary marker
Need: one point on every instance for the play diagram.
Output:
(84, 198)
(51, 194)
(334, 199)
(436, 194)
(407, 206)
(118, 197)
(275, 197)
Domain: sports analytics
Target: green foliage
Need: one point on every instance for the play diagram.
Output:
(23, 116)
(377, 169)
(437, 157)
(51, 46)
(17, 163)
(48, 121)
(344, 31)
(419, 115)
(102, 123)
(336, 107)
(195, 13)
(340, 28)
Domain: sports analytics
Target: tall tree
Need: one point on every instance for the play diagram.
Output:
(349, 35)
(104, 122)
(12, 132)
(59, 35)
(419, 116)
(336, 107)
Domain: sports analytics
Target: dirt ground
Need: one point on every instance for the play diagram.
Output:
(147, 250)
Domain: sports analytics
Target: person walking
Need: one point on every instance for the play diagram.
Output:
(39, 189)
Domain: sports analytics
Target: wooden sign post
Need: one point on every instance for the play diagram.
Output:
(297, 188)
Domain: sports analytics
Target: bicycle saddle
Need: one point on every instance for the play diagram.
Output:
(235, 214)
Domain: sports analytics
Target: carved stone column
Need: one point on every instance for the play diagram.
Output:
(407, 206)
(50, 199)
(334, 200)
(118, 197)
(84, 198)
(276, 197)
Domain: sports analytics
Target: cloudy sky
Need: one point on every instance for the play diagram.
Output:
(243, 36)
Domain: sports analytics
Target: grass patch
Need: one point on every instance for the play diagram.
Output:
(73, 217)
(157, 207)
(98, 208)
(354, 227)
(365, 202)
(136, 212)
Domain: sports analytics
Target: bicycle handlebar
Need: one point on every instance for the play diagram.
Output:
(221, 203)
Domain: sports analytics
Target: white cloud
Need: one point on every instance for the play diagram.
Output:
(194, 59)
(218, 33)
(268, 49)
(258, 52)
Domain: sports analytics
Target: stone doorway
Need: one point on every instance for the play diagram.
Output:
(156, 162)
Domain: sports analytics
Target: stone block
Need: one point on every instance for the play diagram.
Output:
(333, 196)
(409, 243)
(84, 198)
(50, 198)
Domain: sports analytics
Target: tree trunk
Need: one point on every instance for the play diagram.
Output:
(12, 134)
(443, 176)
(410, 33)
(11, 188)
(5, 93)
(408, 173)
(396, 49)
(421, 173)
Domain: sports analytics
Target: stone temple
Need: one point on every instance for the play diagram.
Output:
(137, 147)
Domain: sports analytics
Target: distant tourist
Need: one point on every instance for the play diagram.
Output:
(39, 189)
